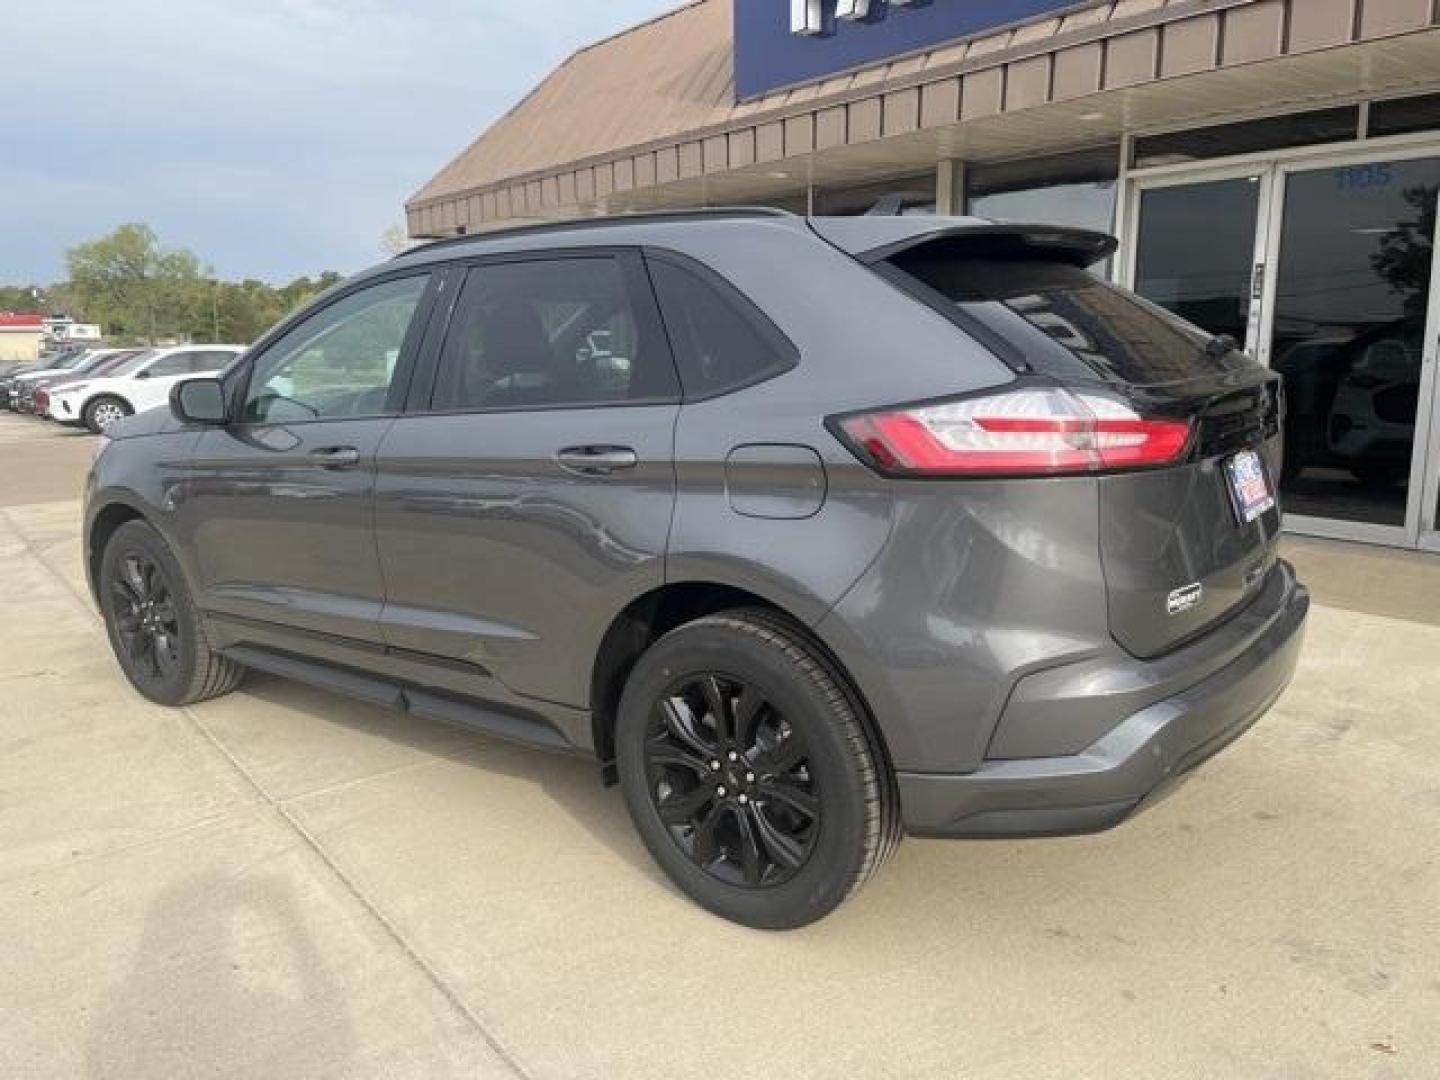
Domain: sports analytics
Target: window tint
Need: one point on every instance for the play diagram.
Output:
(720, 341)
(1068, 323)
(208, 360)
(133, 364)
(339, 361)
(550, 332)
(174, 364)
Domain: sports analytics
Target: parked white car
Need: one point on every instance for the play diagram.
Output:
(142, 383)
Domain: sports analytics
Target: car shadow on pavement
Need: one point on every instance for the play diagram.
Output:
(224, 965)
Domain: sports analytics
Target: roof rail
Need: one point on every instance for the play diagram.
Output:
(606, 221)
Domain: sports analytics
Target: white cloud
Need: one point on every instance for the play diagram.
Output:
(273, 137)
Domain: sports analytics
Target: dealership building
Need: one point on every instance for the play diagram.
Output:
(1271, 168)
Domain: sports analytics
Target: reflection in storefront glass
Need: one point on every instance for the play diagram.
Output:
(1196, 251)
(1077, 190)
(1354, 283)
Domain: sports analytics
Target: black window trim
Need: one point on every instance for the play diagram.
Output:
(1007, 352)
(244, 371)
(785, 350)
(642, 295)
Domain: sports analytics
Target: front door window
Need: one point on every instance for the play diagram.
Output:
(338, 363)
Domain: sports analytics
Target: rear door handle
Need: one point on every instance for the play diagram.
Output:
(596, 460)
(336, 457)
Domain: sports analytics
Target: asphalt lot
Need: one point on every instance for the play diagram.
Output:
(284, 883)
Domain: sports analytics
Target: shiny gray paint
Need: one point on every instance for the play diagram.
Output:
(973, 618)
(770, 480)
(1164, 530)
(278, 534)
(1132, 761)
(494, 554)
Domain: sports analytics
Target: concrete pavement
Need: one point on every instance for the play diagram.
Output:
(284, 883)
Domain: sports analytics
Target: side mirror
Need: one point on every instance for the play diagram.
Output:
(198, 401)
(143, 374)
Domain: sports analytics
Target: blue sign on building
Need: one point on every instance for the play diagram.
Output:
(784, 42)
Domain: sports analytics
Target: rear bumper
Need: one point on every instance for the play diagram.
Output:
(1138, 759)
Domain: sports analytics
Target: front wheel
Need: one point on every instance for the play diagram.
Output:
(104, 413)
(153, 626)
(748, 772)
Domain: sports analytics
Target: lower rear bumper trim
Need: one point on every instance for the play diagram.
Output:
(1134, 764)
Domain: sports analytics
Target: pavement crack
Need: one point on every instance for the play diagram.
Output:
(387, 925)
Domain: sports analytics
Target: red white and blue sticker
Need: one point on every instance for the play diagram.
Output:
(1250, 489)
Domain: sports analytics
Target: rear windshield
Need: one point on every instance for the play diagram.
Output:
(1066, 322)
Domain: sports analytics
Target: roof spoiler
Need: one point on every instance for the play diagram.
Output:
(874, 239)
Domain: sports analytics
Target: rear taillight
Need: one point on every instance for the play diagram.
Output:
(1029, 432)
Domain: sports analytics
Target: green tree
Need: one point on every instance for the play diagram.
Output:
(141, 292)
(132, 287)
(22, 298)
(1406, 252)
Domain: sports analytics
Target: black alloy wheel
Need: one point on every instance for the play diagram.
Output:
(146, 620)
(730, 778)
(154, 628)
(749, 771)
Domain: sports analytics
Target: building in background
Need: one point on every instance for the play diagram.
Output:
(64, 328)
(20, 337)
(1271, 167)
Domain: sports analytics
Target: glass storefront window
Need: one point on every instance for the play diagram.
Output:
(1352, 297)
(1196, 251)
(1248, 137)
(908, 194)
(1403, 116)
(1071, 189)
(1078, 190)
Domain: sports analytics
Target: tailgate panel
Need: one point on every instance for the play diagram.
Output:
(1161, 534)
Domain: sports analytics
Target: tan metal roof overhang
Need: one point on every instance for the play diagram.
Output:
(648, 117)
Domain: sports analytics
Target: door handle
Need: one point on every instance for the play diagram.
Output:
(336, 457)
(596, 460)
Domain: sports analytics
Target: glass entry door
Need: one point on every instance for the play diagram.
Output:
(1325, 270)
(1349, 330)
(1197, 250)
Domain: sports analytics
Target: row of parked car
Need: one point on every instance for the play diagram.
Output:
(95, 388)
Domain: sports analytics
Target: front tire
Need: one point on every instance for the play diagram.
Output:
(748, 772)
(104, 413)
(153, 625)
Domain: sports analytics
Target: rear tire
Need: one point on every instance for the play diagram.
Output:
(104, 412)
(154, 628)
(748, 772)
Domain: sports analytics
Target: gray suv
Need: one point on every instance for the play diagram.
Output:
(812, 532)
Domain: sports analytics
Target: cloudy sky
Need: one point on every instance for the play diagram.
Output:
(272, 137)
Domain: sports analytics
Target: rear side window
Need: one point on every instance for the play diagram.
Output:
(208, 360)
(174, 364)
(1063, 320)
(552, 332)
(721, 342)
